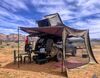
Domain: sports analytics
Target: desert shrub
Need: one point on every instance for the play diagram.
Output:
(12, 46)
(8, 44)
(1, 46)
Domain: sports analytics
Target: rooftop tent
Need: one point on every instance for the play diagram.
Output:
(50, 20)
(54, 19)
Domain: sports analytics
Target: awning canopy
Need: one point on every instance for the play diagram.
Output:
(55, 30)
(64, 32)
(58, 31)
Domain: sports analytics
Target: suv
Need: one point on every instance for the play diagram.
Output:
(47, 48)
(69, 49)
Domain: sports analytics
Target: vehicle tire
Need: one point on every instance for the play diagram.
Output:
(59, 55)
(53, 52)
(49, 45)
(74, 52)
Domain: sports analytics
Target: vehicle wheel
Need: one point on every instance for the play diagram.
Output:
(49, 45)
(53, 52)
(74, 52)
(59, 55)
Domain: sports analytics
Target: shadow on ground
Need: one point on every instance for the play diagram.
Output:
(51, 67)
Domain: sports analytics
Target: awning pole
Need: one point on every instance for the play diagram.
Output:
(64, 67)
(18, 47)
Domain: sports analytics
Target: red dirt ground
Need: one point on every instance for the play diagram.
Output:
(48, 70)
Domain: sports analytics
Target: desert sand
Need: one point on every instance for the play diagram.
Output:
(51, 69)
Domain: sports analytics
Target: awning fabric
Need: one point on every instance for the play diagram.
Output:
(64, 32)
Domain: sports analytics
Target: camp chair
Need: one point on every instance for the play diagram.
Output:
(23, 55)
(28, 52)
(17, 57)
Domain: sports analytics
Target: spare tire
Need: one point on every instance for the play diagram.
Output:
(49, 45)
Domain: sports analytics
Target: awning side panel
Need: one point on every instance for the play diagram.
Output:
(89, 49)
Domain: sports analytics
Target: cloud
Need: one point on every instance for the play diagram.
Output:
(68, 9)
(11, 20)
(14, 4)
(47, 2)
(79, 14)
(53, 6)
(7, 31)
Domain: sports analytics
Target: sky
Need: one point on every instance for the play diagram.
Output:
(78, 14)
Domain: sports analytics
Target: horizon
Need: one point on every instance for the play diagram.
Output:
(78, 14)
(27, 34)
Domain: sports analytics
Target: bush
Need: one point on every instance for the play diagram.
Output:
(1, 46)
(8, 44)
(12, 46)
